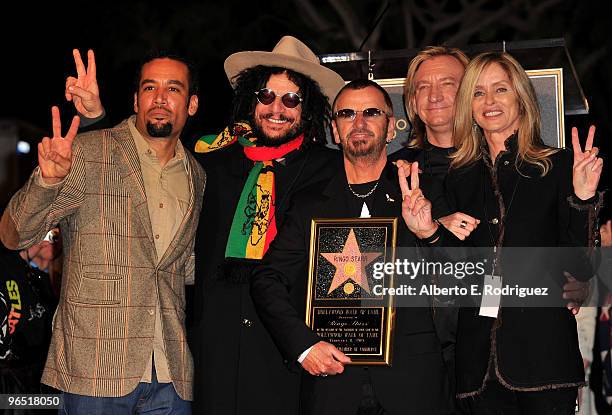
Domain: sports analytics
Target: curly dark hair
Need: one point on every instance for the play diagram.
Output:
(316, 111)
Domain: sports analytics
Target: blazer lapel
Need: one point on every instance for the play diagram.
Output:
(388, 199)
(126, 159)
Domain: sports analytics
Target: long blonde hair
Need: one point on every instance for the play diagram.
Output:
(467, 136)
(417, 133)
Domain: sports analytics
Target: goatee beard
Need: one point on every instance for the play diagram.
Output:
(159, 131)
(264, 140)
(366, 151)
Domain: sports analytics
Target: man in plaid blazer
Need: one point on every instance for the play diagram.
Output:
(127, 200)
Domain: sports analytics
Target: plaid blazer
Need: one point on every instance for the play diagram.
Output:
(104, 324)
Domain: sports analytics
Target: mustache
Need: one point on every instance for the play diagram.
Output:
(158, 108)
(361, 131)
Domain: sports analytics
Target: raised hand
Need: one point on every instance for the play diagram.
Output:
(404, 164)
(460, 224)
(55, 153)
(416, 209)
(83, 90)
(325, 359)
(587, 166)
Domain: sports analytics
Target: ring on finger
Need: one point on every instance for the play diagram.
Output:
(463, 224)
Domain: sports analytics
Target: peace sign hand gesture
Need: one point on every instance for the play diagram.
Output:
(416, 209)
(55, 153)
(83, 90)
(587, 166)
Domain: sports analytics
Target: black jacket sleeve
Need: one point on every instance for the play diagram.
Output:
(577, 221)
(278, 287)
(93, 124)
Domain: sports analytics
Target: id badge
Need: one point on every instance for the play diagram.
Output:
(491, 296)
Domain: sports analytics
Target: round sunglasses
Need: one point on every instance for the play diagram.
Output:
(267, 96)
(350, 114)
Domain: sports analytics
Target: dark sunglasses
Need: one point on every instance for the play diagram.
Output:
(350, 114)
(267, 96)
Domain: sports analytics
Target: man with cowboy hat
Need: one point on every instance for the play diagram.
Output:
(273, 147)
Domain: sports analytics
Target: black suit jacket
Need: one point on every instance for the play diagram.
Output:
(416, 382)
(237, 366)
(533, 348)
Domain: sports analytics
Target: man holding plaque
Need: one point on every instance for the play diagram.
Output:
(365, 186)
(273, 147)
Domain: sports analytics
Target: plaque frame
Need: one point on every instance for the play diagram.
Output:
(547, 62)
(383, 356)
(548, 85)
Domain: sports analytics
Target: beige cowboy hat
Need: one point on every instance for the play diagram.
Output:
(288, 53)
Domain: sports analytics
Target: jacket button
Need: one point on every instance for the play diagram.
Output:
(506, 163)
(494, 221)
(151, 312)
(246, 322)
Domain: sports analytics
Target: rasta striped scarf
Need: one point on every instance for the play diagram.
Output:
(254, 224)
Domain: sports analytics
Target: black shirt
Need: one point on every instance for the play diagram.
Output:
(25, 311)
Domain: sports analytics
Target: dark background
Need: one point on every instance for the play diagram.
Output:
(37, 42)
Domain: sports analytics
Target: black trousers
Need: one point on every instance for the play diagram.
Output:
(498, 400)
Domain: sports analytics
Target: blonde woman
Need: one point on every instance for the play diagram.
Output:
(526, 360)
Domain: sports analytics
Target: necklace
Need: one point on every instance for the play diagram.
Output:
(363, 196)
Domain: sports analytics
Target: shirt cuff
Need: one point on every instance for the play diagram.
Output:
(39, 181)
(304, 354)
(580, 204)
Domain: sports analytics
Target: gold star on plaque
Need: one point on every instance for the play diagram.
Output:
(350, 265)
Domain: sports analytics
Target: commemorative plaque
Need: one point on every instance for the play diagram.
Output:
(345, 305)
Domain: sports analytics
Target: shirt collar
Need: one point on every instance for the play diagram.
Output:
(511, 144)
(145, 150)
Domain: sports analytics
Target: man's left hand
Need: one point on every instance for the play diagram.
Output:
(416, 209)
(83, 90)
